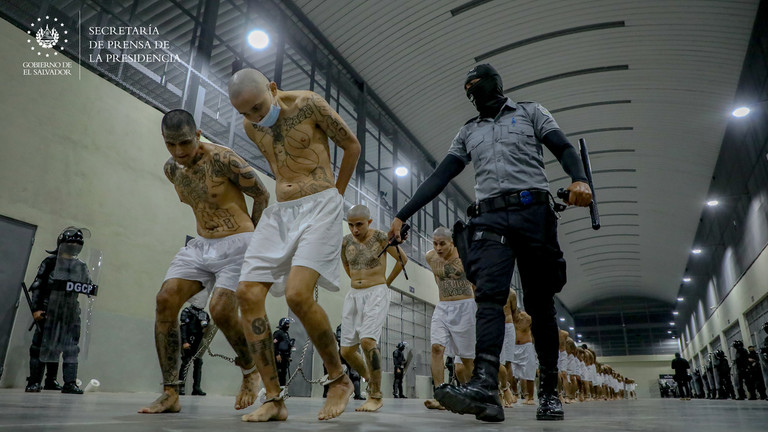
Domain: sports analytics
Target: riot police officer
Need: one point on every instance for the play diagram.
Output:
(399, 360)
(681, 366)
(741, 361)
(724, 376)
(194, 321)
(755, 374)
(68, 245)
(512, 221)
(283, 345)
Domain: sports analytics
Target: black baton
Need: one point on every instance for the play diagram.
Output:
(593, 213)
(564, 193)
(31, 307)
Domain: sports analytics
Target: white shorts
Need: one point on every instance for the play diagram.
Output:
(508, 349)
(562, 358)
(583, 371)
(453, 326)
(304, 232)
(364, 314)
(524, 364)
(572, 365)
(213, 262)
(592, 374)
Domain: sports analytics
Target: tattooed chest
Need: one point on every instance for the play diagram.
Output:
(199, 189)
(363, 257)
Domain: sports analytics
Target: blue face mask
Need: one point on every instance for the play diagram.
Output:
(271, 117)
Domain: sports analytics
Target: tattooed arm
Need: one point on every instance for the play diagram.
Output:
(344, 260)
(247, 180)
(170, 169)
(334, 127)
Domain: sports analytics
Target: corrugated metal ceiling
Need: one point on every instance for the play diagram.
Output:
(653, 109)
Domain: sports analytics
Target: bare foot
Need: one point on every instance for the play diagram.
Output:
(508, 398)
(336, 401)
(168, 402)
(514, 398)
(269, 411)
(529, 402)
(433, 404)
(248, 391)
(370, 405)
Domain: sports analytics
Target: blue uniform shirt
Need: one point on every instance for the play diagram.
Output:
(506, 152)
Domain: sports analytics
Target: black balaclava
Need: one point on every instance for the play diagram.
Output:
(487, 94)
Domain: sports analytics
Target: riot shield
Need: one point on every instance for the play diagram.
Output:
(69, 309)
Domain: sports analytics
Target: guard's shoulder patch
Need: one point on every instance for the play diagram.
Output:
(543, 110)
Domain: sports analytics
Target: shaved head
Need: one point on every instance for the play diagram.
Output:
(247, 80)
(442, 232)
(359, 212)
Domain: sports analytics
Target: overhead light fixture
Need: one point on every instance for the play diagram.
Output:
(571, 328)
(686, 279)
(675, 312)
(401, 171)
(741, 112)
(673, 337)
(258, 39)
(562, 319)
(669, 331)
(680, 298)
(578, 336)
(713, 203)
(696, 251)
(672, 323)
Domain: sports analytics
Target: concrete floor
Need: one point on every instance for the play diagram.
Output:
(52, 411)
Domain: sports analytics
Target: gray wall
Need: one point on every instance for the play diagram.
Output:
(86, 153)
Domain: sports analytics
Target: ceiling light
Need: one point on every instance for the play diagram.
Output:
(675, 312)
(671, 323)
(258, 39)
(570, 328)
(713, 203)
(673, 337)
(578, 335)
(669, 331)
(401, 171)
(740, 112)
(562, 319)
(680, 298)
(686, 279)
(696, 251)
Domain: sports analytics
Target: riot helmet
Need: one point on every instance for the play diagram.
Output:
(284, 324)
(401, 346)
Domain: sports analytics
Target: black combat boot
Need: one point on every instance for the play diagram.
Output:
(69, 371)
(32, 386)
(480, 396)
(71, 388)
(197, 378)
(550, 407)
(51, 384)
(52, 369)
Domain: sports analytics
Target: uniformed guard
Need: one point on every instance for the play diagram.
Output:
(283, 345)
(513, 220)
(194, 321)
(399, 359)
(741, 361)
(63, 282)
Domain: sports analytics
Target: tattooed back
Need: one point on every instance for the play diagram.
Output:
(219, 206)
(296, 146)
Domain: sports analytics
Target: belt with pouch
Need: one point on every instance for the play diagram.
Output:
(516, 199)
